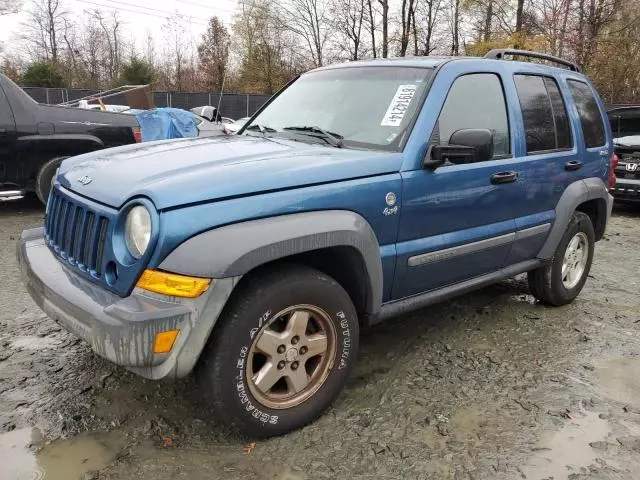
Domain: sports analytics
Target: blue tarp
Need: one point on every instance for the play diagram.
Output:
(165, 123)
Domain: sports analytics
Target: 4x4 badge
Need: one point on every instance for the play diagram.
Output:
(86, 180)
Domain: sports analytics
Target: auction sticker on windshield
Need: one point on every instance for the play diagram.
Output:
(399, 105)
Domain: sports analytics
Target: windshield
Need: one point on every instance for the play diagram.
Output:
(368, 107)
(625, 123)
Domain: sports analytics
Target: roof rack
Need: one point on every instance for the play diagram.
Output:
(499, 54)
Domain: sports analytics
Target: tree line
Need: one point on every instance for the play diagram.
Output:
(270, 42)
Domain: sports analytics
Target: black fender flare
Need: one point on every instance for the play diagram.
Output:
(575, 194)
(236, 249)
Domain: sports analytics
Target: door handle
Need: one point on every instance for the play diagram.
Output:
(504, 177)
(573, 165)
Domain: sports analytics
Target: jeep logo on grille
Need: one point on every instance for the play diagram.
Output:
(86, 180)
(632, 167)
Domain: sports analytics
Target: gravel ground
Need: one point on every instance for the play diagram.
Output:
(491, 385)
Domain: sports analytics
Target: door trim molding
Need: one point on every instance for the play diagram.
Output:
(473, 247)
(465, 249)
(532, 231)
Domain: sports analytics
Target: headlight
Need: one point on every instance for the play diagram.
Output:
(137, 230)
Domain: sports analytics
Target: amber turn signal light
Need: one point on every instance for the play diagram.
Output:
(164, 341)
(173, 284)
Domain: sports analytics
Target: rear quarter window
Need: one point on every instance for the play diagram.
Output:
(589, 112)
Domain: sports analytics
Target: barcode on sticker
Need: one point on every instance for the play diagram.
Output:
(398, 106)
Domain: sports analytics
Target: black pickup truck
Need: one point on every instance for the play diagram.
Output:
(35, 138)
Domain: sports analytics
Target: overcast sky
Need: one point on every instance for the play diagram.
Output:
(139, 15)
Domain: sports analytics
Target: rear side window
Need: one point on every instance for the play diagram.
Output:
(475, 101)
(590, 117)
(545, 116)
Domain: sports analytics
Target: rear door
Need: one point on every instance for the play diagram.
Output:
(550, 159)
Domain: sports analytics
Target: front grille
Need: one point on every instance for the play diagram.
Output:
(76, 233)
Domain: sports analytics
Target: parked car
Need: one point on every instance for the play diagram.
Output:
(625, 124)
(360, 192)
(237, 125)
(35, 138)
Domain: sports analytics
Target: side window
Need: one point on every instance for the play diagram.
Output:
(545, 117)
(475, 101)
(590, 116)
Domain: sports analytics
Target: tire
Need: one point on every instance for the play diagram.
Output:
(547, 283)
(45, 177)
(278, 302)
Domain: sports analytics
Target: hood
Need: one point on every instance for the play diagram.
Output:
(627, 141)
(177, 172)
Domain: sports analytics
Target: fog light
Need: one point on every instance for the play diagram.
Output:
(173, 284)
(164, 341)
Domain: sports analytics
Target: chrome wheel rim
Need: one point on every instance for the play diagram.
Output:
(291, 356)
(575, 260)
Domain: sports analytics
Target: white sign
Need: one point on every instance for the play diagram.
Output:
(399, 105)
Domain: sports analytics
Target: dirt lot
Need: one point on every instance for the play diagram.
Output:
(487, 386)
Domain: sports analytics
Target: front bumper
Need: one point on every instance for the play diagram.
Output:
(121, 329)
(626, 189)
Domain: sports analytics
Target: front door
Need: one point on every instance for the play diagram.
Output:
(457, 221)
(8, 164)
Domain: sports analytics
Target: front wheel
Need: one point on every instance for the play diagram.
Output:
(282, 351)
(560, 282)
(44, 178)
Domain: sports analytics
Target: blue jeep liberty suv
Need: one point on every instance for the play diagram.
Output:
(359, 192)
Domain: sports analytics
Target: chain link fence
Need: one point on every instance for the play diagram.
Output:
(234, 105)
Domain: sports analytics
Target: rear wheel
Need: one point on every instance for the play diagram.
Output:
(282, 351)
(45, 178)
(561, 281)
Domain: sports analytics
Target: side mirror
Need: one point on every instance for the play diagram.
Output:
(465, 146)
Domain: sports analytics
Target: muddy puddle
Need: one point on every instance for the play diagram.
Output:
(24, 456)
(568, 450)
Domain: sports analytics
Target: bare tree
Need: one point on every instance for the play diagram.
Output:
(309, 19)
(149, 49)
(372, 27)
(111, 28)
(455, 27)
(428, 12)
(407, 17)
(43, 28)
(176, 43)
(385, 27)
(349, 17)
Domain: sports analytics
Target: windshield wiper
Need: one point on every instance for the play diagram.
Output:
(332, 138)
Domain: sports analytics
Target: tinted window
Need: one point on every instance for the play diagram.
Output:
(545, 117)
(475, 101)
(590, 117)
(560, 117)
